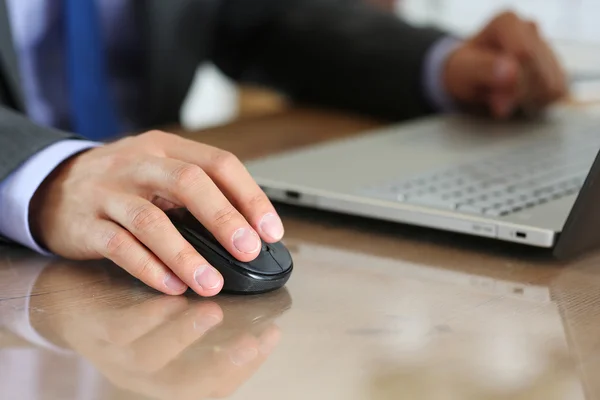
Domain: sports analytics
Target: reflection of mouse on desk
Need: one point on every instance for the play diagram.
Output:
(270, 270)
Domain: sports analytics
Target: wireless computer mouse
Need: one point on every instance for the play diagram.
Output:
(270, 270)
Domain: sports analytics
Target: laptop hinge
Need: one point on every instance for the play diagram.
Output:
(581, 232)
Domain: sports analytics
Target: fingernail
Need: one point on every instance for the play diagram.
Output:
(207, 277)
(271, 226)
(246, 240)
(174, 283)
(502, 69)
(205, 322)
(243, 356)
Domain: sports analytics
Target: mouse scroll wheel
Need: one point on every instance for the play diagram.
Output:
(268, 248)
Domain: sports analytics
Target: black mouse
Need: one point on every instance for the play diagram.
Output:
(270, 270)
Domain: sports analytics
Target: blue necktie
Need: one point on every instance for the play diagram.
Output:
(92, 108)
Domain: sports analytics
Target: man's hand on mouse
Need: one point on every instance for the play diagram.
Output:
(109, 202)
(505, 67)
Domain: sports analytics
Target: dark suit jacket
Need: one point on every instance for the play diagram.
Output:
(331, 53)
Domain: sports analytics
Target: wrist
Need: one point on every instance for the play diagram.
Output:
(17, 190)
(46, 197)
(437, 90)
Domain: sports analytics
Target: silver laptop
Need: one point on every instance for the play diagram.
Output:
(520, 181)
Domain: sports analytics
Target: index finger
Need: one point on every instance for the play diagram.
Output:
(235, 182)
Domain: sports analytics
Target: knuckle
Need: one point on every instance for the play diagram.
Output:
(258, 201)
(116, 160)
(533, 26)
(508, 16)
(184, 258)
(117, 243)
(224, 216)
(146, 217)
(188, 175)
(224, 160)
(126, 141)
(153, 142)
(156, 135)
(144, 268)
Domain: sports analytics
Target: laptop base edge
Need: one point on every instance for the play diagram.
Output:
(482, 227)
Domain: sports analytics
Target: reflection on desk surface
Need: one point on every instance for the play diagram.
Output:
(88, 331)
(350, 324)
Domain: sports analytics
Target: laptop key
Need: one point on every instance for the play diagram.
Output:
(522, 179)
(496, 212)
(470, 208)
(433, 201)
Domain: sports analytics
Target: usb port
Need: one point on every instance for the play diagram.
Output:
(521, 235)
(290, 194)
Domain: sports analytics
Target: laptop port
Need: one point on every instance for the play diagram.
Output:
(290, 194)
(521, 235)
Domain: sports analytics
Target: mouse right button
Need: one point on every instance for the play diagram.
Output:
(265, 263)
(281, 255)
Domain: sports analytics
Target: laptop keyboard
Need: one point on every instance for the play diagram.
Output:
(524, 178)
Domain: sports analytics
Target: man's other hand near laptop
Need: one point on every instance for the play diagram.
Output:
(109, 200)
(506, 67)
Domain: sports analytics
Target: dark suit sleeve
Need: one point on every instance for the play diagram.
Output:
(20, 138)
(334, 53)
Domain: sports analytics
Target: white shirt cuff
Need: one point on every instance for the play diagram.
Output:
(17, 190)
(435, 63)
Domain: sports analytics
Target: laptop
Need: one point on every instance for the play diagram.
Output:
(533, 182)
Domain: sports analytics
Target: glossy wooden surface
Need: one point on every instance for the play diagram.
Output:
(372, 311)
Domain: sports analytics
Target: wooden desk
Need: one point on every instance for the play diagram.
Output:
(372, 311)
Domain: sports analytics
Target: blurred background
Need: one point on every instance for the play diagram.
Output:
(571, 25)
